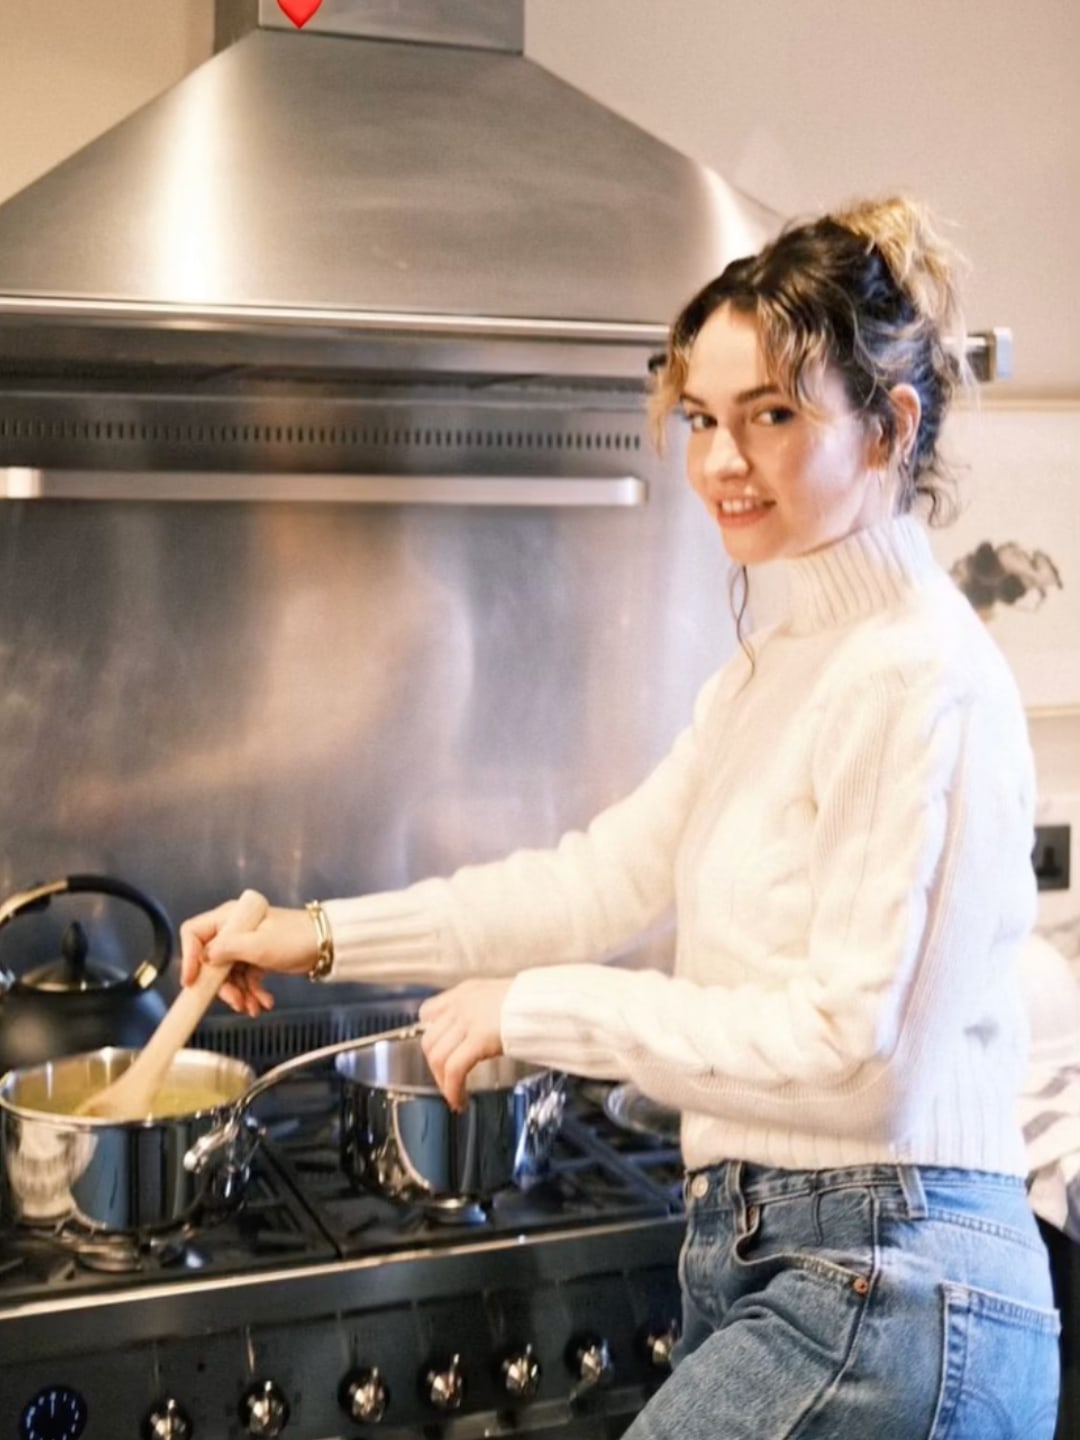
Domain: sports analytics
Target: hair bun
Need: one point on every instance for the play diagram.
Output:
(922, 264)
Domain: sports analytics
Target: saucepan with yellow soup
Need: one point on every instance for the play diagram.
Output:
(121, 1176)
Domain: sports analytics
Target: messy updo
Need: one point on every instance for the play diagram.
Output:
(868, 291)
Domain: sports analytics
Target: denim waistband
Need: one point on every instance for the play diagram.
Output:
(742, 1182)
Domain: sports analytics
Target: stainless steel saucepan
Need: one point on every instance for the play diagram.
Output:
(123, 1176)
(401, 1139)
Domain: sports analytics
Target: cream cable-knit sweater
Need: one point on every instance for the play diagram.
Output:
(845, 836)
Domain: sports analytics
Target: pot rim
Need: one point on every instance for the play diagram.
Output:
(530, 1075)
(92, 1123)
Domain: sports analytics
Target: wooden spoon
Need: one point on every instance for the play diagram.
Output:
(131, 1095)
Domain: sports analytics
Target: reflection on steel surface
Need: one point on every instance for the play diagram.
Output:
(330, 699)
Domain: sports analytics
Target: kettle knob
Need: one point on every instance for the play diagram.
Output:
(74, 947)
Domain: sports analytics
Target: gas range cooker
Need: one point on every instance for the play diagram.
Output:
(316, 1310)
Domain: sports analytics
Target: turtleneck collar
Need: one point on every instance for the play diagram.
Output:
(866, 571)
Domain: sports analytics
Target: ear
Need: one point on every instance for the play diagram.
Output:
(907, 407)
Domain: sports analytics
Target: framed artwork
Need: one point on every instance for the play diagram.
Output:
(1014, 548)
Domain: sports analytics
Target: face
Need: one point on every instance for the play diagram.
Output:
(779, 481)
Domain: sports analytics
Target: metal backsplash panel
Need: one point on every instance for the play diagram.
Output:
(324, 700)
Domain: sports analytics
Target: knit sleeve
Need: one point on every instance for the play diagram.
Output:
(584, 899)
(917, 865)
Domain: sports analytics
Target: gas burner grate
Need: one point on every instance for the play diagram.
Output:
(586, 1182)
(270, 1227)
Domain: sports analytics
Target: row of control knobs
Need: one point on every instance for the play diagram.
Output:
(365, 1396)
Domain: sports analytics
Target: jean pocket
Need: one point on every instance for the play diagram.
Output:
(1001, 1369)
(830, 1234)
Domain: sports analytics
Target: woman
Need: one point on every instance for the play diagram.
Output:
(844, 831)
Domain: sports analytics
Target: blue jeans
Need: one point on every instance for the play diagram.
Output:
(880, 1302)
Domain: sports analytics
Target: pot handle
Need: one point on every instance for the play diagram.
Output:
(542, 1121)
(197, 1158)
(39, 897)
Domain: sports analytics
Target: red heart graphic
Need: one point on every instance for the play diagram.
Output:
(299, 11)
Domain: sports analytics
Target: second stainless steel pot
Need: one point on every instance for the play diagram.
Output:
(401, 1139)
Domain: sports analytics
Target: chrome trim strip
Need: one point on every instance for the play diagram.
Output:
(166, 315)
(20, 482)
(335, 1268)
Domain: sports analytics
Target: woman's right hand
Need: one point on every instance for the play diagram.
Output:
(284, 942)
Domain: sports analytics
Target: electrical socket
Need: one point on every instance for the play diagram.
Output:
(1050, 857)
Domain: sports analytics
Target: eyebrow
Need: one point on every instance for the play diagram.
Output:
(744, 397)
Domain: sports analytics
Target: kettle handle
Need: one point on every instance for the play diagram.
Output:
(39, 897)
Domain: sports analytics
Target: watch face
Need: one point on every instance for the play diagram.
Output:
(56, 1413)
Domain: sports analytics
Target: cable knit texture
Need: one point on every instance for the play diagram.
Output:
(845, 836)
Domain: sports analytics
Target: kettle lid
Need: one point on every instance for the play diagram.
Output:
(72, 973)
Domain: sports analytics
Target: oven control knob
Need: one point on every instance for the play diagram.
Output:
(591, 1363)
(264, 1410)
(658, 1345)
(521, 1374)
(446, 1388)
(364, 1396)
(167, 1421)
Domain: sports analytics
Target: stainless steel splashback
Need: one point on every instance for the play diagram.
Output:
(319, 699)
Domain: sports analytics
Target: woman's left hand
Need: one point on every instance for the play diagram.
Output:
(462, 1026)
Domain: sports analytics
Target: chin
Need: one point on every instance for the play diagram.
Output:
(745, 550)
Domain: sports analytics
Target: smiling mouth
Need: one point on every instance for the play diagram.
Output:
(740, 505)
(742, 510)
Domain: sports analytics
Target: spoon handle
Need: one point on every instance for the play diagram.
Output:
(183, 1015)
(132, 1093)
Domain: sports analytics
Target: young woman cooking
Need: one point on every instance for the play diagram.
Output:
(844, 831)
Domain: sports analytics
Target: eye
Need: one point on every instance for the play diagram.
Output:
(698, 420)
(775, 415)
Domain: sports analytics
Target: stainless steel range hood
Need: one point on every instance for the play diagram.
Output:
(386, 244)
(311, 189)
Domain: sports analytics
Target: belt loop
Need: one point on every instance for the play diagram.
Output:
(912, 1186)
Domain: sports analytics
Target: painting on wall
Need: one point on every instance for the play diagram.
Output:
(1014, 548)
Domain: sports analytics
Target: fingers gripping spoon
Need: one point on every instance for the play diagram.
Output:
(131, 1095)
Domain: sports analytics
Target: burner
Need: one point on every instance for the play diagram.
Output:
(107, 1253)
(456, 1210)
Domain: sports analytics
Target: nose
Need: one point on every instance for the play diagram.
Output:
(723, 456)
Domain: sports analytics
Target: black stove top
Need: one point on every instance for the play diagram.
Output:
(551, 1310)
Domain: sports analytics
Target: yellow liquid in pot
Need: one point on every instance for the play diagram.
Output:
(173, 1099)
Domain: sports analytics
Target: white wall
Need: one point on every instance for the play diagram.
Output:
(70, 69)
(972, 104)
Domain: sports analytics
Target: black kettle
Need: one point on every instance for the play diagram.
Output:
(70, 1005)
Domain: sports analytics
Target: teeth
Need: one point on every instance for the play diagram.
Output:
(738, 507)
